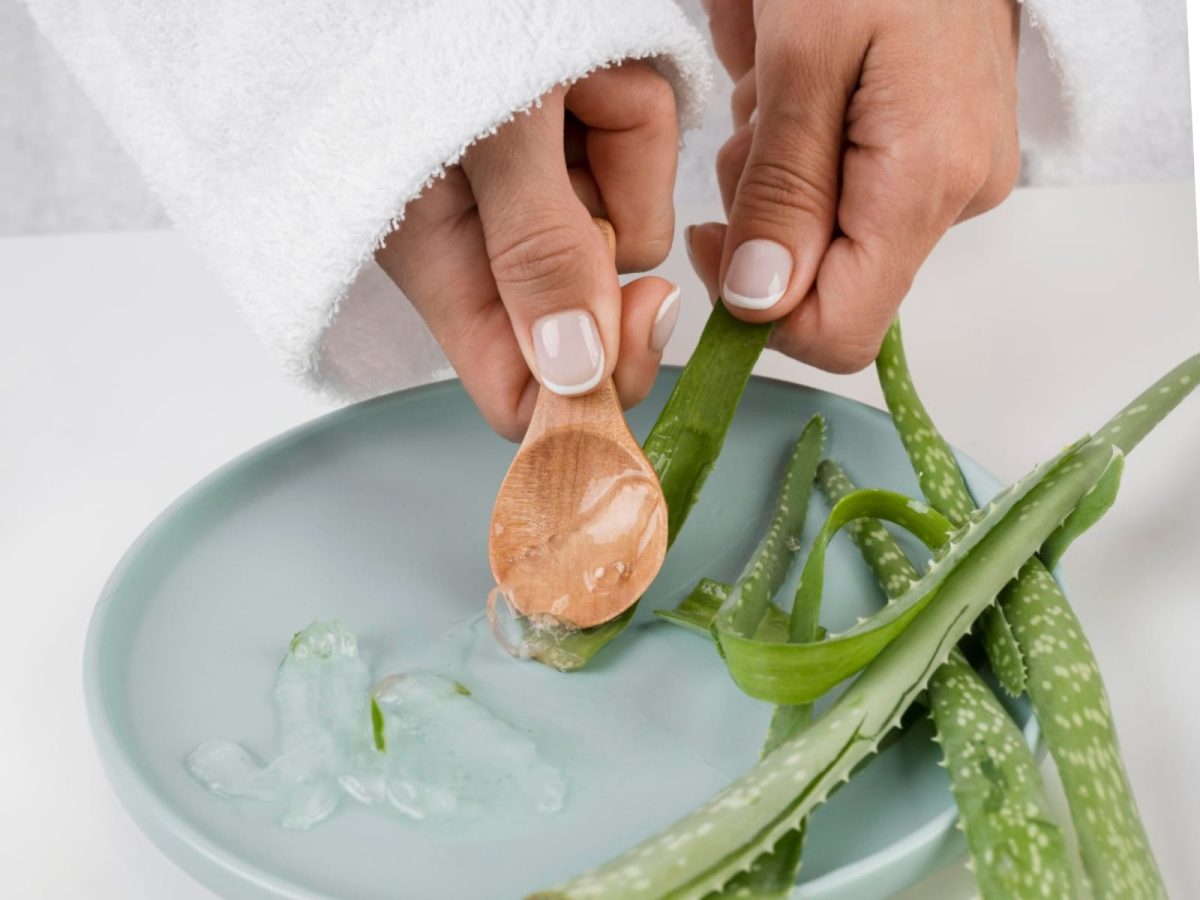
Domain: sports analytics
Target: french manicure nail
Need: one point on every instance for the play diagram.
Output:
(664, 320)
(758, 274)
(570, 357)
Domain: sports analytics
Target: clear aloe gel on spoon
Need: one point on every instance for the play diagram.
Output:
(416, 744)
(610, 535)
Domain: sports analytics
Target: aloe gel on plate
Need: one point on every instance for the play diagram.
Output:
(417, 743)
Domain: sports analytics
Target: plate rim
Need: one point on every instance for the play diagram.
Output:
(187, 847)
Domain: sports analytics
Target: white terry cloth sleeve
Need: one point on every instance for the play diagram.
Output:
(1103, 88)
(286, 139)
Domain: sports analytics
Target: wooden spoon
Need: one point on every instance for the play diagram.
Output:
(579, 529)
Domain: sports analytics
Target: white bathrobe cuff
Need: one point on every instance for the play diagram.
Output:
(286, 139)
(1103, 88)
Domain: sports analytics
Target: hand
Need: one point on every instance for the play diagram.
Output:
(502, 259)
(864, 130)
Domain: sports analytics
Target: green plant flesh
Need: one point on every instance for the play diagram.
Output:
(685, 442)
(378, 735)
(1016, 848)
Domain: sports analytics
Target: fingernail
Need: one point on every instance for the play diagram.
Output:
(664, 320)
(758, 274)
(687, 244)
(570, 357)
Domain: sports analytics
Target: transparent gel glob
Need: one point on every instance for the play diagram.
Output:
(538, 636)
(418, 744)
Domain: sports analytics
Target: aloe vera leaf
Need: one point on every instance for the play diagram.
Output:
(686, 439)
(798, 673)
(705, 849)
(1017, 849)
(695, 613)
(1091, 508)
(892, 569)
(1063, 680)
(1072, 707)
(773, 875)
(768, 565)
(944, 488)
(993, 773)
(1068, 693)
(1127, 428)
(684, 443)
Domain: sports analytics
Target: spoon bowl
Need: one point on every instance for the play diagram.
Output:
(579, 528)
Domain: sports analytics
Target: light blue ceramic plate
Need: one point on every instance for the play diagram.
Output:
(377, 515)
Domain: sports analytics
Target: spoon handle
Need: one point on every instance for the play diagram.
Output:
(599, 411)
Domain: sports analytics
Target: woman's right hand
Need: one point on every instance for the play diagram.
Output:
(502, 260)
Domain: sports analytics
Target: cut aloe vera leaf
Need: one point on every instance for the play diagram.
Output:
(798, 673)
(892, 569)
(993, 774)
(1072, 708)
(685, 442)
(1128, 427)
(774, 874)
(1064, 680)
(1016, 848)
(696, 612)
(689, 433)
(944, 488)
(773, 557)
(1117, 857)
(704, 850)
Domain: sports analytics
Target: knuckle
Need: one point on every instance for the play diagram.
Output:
(852, 357)
(744, 98)
(776, 190)
(1001, 180)
(659, 97)
(647, 253)
(506, 423)
(731, 158)
(965, 174)
(535, 256)
(648, 90)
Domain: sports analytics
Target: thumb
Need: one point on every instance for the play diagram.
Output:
(552, 266)
(785, 205)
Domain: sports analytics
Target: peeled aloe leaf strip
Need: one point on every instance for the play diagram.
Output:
(798, 673)
(705, 849)
(685, 441)
(944, 488)
(1064, 681)
(772, 558)
(1017, 851)
(773, 875)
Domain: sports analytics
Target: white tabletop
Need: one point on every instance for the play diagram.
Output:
(126, 375)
